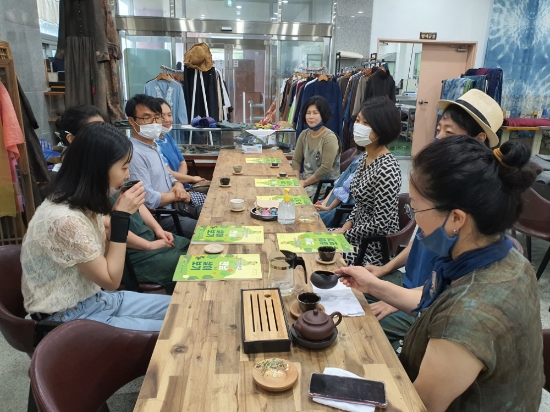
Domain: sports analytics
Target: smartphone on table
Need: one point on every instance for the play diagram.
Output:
(342, 388)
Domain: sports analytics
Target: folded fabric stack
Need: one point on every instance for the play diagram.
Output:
(526, 122)
(203, 122)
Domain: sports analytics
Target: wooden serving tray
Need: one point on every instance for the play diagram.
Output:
(264, 324)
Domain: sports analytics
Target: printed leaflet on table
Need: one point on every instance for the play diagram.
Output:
(218, 267)
(263, 160)
(309, 242)
(277, 182)
(240, 235)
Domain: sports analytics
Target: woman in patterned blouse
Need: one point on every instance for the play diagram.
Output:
(377, 181)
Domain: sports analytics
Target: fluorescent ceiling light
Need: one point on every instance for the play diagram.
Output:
(238, 13)
(240, 7)
(274, 18)
(360, 12)
(276, 14)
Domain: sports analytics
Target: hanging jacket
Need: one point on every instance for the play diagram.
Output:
(172, 93)
(193, 77)
(330, 91)
(380, 84)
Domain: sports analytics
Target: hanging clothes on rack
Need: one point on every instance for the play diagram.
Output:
(380, 83)
(9, 153)
(330, 91)
(200, 86)
(226, 103)
(114, 108)
(167, 88)
(83, 45)
(494, 81)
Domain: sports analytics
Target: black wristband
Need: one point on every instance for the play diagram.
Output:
(120, 223)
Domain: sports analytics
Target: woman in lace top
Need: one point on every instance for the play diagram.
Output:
(66, 258)
(377, 181)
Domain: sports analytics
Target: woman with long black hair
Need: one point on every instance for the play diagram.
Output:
(66, 257)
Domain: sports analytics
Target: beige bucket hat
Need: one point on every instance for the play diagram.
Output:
(199, 57)
(483, 109)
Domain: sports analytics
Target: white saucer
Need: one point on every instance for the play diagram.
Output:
(235, 173)
(238, 210)
(322, 262)
(214, 248)
(229, 185)
(273, 167)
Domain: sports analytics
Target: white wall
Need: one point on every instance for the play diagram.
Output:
(466, 20)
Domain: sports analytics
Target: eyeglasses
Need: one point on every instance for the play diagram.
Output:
(410, 212)
(149, 120)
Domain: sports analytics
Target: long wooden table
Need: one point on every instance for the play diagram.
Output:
(198, 363)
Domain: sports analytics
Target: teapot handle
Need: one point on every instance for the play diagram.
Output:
(332, 315)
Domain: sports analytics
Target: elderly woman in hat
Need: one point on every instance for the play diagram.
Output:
(477, 115)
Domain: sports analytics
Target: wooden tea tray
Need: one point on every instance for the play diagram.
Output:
(264, 324)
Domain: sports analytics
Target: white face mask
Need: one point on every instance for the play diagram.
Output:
(166, 129)
(361, 134)
(150, 131)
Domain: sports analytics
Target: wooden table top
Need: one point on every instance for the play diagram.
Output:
(198, 363)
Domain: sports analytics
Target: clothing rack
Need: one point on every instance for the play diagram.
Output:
(169, 70)
(373, 63)
(302, 69)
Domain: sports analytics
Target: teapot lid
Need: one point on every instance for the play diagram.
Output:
(315, 318)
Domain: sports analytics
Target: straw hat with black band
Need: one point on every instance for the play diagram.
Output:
(483, 109)
(199, 57)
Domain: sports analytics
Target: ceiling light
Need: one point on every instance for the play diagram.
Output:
(352, 16)
(238, 19)
(276, 14)
(360, 12)
(285, 1)
(274, 18)
(240, 7)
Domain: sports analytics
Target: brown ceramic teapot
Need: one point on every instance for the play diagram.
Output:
(315, 325)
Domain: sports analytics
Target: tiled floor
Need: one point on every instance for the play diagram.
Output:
(14, 381)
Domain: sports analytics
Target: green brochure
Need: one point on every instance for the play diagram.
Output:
(239, 235)
(263, 160)
(309, 242)
(298, 200)
(278, 182)
(218, 267)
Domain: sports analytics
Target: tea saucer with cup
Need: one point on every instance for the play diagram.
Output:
(236, 205)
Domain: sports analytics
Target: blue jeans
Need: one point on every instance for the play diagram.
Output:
(127, 310)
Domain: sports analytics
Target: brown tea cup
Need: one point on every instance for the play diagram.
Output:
(326, 253)
(282, 174)
(127, 185)
(308, 301)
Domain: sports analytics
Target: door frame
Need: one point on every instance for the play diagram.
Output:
(420, 141)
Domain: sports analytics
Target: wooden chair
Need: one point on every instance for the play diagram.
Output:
(534, 221)
(390, 243)
(82, 363)
(193, 165)
(22, 334)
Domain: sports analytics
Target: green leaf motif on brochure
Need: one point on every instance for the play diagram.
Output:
(279, 182)
(240, 235)
(298, 200)
(263, 160)
(309, 242)
(218, 267)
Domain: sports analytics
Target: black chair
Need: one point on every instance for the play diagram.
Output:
(130, 282)
(320, 186)
(391, 244)
(157, 213)
(192, 164)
